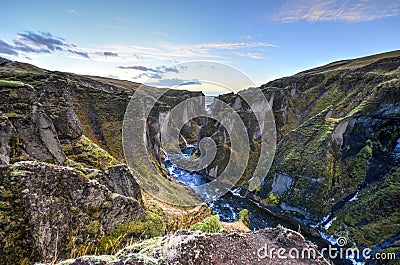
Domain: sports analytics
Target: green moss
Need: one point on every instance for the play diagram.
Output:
(11, 83)
(5, 193)
(13, 94)
(150, 226)
(71, 163)
(244, 217)
(32, 78)
(299, 148)
(368, 149)
(13, 115)
(113, 196)
(16, 248)
(209, 225)
(88, 154)
(273, 199)
(93, 227)
(355, 168)
(374, 216)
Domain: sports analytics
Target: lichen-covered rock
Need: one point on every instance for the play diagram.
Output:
(56, 100)
(8, 137)
(120, 180)
(205, 249)
(50, 212)
(34, 132)
(47, 134)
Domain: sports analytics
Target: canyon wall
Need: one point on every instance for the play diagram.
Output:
(338, 129)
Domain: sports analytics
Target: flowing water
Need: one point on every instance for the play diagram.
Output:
(229, 206)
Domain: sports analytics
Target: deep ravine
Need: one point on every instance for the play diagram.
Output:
(229, 205)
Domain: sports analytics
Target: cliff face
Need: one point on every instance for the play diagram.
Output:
(338, 131)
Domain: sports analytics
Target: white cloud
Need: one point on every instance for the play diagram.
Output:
(341, 10)
(121, 19)
(171, 51)
(252, 55)
(74, 12)
(172, 82)
(233, 46)
(28, 43)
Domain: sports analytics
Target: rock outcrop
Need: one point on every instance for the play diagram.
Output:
(28, 130)
(48, 212)
(121, 181)
(220, 248)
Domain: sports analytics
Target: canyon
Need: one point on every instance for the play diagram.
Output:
(66, 192)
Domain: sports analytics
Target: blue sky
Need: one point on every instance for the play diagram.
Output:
(135, 40)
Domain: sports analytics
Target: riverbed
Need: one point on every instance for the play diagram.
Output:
(229, 205)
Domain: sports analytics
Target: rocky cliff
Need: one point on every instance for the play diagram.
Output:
(338, 131)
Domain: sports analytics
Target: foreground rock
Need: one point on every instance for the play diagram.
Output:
(202, 249)
(49, 212)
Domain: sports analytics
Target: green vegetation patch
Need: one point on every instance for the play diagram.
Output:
(244, 217)
(88, 154)
(149, 226)
(9, 83)
(374, 216)
(34, 79)
(210, 225)
(124, 234)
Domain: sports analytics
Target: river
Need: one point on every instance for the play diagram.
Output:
(229, 205)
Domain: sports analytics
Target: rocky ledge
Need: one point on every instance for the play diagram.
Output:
(259, 247)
